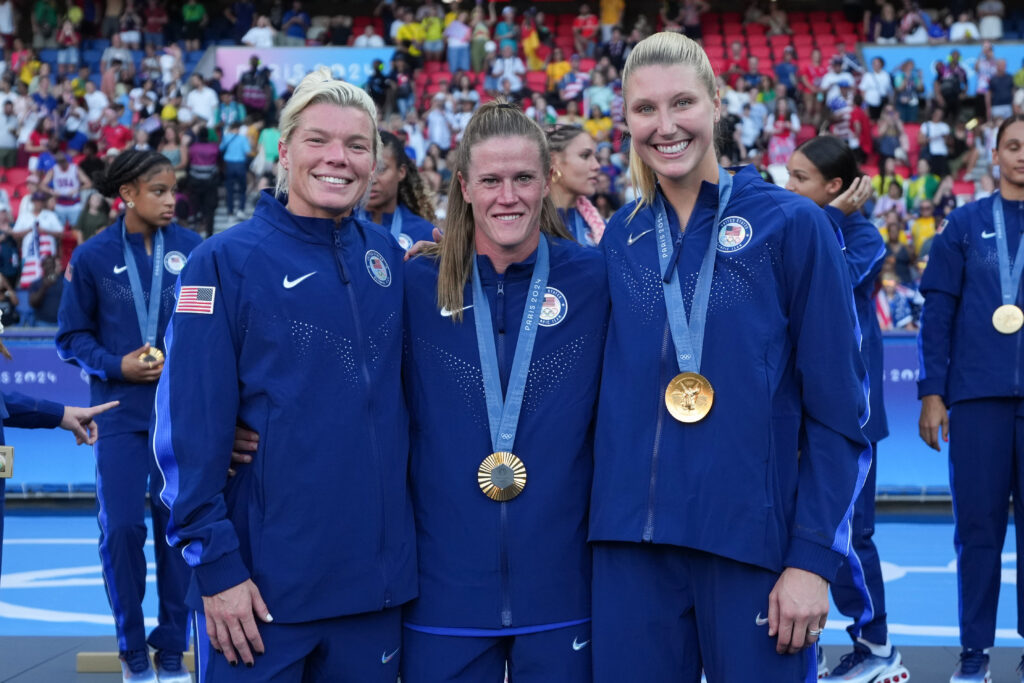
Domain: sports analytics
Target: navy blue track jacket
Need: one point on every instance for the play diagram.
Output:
(962, 355)
(865, 251)
(485, 564)
(782, 356)
(97, 323)
(294, 326)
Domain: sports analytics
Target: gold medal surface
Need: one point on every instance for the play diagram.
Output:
(502, 476)
(1008, 319)
(154, 355)
(689, 397)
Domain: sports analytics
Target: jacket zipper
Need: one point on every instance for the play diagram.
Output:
(648, 535)
(354, 304)
(506, 598)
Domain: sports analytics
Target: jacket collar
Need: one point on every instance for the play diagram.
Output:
(316, 230)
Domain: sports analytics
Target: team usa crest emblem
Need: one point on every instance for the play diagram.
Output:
(174, 261)
(378, 268)
(404, 241)
(734, 233)
(554, 308)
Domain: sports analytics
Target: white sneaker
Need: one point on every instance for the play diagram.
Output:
(862, 666)
(822, 665)
(240, 215)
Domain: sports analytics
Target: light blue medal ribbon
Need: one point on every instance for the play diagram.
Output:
(1008, 317)
(689, 395)
(502, 476)
(147, 320)
(396, 223)
(581, 229)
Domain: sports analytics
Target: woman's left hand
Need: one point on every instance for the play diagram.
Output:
(854, 197)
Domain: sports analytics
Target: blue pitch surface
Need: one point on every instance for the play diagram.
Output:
(51, 582)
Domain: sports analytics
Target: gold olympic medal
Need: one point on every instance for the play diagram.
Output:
(689, 397)
(154, 356)
(1008, 319)
(502, 476)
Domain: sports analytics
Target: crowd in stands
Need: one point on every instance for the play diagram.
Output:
(82, 82)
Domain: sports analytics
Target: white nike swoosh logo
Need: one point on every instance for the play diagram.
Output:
(119, 269)
(385, 657)
(760, 621)
(445, 313)
(633, 238)
(988, 235)
(577, 646)
(288, 284)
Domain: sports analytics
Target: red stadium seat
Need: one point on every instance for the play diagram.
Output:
(757, 40)
(762, 52)
(755, 29)
(731, 27)
(587, 65)
(718, 65)
(714, 51)
(817, 16)
(435, 67)
(821, 27)
(16, 176)
(912, 129)
(732, 16)
(806, 133)
(536, 81)
(803, 40)
(868, 169)
(963, 188)
(903, 171)
(779, 41)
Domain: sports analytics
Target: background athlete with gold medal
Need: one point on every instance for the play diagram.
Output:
(505, 324)
(972, 360)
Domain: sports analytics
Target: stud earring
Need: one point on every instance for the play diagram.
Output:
(130, 205)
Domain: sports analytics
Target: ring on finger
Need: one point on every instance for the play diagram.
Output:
(814, 631)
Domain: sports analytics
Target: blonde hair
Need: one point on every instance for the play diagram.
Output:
(661, 49)
(496, 119)
(320, 87)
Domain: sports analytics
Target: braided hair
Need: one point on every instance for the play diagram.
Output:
(412, 191)
(128, 167)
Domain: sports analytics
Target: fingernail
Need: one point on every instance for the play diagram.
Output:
(234, 663)
(249, 664)
(268, 617)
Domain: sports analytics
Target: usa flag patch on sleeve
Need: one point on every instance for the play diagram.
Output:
(196, 300)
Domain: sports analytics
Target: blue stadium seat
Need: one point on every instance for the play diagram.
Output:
(96, 44)
(48, 55)
(92, 56)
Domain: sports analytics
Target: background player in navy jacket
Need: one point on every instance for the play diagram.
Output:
(715, 539)
(824, 170)
(291, 322)
(574, 172)
(502, 581)
(972, 360)
(398, 197)
(19, 410)
(112, 317)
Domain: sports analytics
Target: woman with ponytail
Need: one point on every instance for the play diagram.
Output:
(504, 324)
(574, 171)
(116, 305)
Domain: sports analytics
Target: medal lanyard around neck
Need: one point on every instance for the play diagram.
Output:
(1009, 280)
(396, 222)
(147, 322)
(503, 415)
(689, 336)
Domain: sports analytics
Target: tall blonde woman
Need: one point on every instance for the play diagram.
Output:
(728, 449)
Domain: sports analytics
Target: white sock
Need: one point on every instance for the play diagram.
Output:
(884, 651)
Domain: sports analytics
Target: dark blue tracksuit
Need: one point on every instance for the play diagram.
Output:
(694, 523)
(98, 325)
(503, 581)
(415, 228)
(858, 588)
(979, 372)
(294, 328)
(19, 410)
